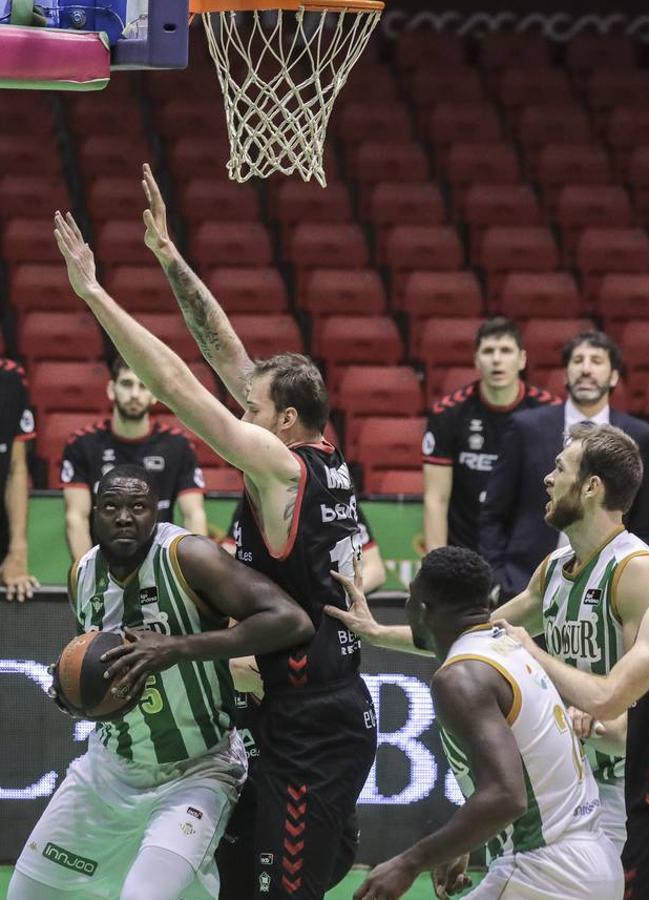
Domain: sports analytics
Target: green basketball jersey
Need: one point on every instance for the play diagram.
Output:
(580, 618)
(185, 710)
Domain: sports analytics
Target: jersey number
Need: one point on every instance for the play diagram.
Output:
(342, 556)
(564, 725)
(151, 702)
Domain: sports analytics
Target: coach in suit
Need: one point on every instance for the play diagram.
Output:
(513, 535)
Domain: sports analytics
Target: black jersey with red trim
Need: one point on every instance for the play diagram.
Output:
(324, 536)
(465, 431)
(16, 424)
(166, 452)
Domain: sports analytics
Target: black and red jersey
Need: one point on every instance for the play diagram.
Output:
(465, 431)
(324, 535)
(166, 452)
(16, 424)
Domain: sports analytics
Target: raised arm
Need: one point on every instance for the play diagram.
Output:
(267, 618)
(204, 316)
(250, 448)
(469, 698)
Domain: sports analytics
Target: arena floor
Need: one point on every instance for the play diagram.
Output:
(420, 891)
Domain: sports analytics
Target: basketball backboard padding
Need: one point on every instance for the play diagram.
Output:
(53, 59)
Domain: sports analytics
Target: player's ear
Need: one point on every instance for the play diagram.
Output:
(110, 390)
(289, 416)
(522, 359)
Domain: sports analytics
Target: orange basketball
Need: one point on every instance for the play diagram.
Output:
(79, 678)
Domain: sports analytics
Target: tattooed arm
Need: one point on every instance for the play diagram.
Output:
(205, 318)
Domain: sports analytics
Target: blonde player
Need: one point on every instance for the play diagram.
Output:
(529, 778)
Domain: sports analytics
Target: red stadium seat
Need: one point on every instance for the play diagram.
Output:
(376, 391)
(41, 286)
(231, 244)
(590, 51)
(101, 154)
(406, 482)
(121, 242)
(296, 202)
(210, 199)
(638, 176)
(333, 292)
(349, 340)
(266, 335)
(563, 123)
(53, 435)
(605, 250)
(532, 295)
(369, 80)
(223, 480)
(29, 241)
(21, 154)
(468, 164)
(389, 443)
(461, 84)
(608, 88)
(32, 196)
(374, 161)
(102, 113)
(519, 249)
(60, 335)
(386, 120)
(141, 288)
(487, 205)
(27, 113)
(452, 123)
(70, 387)
(392, 203)
(115, 197)
(583, 206)
(442, 344)
(178, 116)
(514, 50)
(561, 164)
(198, 157)
(620, 298)
(634, 338)
(627, 128)
(242, 290)
(409, 247)
(522, 87)
(430, 294)
(172, 331)
(426, 47)
(544, 339)
(336, 246)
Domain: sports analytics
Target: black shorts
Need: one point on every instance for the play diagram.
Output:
(635, 856)
(317, 748)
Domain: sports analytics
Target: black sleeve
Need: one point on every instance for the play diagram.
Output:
(438, 444)
(637, 520)
(230, 537)
(502, 491)
(189, 476)
(75, 467)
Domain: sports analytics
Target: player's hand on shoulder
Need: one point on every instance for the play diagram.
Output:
(450, 878)
(146, 653)
(518, 634)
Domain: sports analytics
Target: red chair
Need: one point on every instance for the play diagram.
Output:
(230, 244)
(521, 87)
(426, 47)
(376, 391)
(53, 434)
(223, 480)
(544, 339)
(608, 88)
(520, 249)
(561, 164)
(532, 295)
(461, 84)
(441, 344)
(297, 202)
(622, 297)
(20, 154)
(408, 247)
(563, 123)
(583, 206)
(627, 128)
(392, 203)
(27, 113)
(428, 295)
(349, 340)
(103, 112)
(60, 335)
(374, 161)
(488, 205)
(70, 387)
(41, 286)
(333, 292)
(244, 290)
(396, 482)
(369, 80)
(172, 331)
(115, 197)
(178, 116)
(386, 120)
(514, 50)
(210, 199)
(633, 343)
(101, 154)
(266, 335)
(198, 157)
(32, 196)
(589, 51)
(29, 241)
(121, 242)
(141, 288)
(602, 251)
(336, 246)
(389, 443)
(468, 164)
(452, 123)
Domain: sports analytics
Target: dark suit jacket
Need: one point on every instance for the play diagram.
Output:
(513, 535)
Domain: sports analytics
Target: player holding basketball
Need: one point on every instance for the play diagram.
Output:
(588, 598)
(139, 815)
(318, 725)
(528, 787)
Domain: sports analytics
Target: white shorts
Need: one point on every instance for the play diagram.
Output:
(574, 869)
(106, 811)
(612, 818)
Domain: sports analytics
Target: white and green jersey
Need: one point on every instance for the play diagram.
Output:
(580, 618)
(185, 710)
(562, 796)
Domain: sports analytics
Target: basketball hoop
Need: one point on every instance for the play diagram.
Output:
(281, 64)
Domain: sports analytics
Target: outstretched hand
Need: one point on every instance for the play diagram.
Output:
(156, 236)
(358, 617)
(78, 256)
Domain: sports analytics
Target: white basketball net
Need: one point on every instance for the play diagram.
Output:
(280, 81)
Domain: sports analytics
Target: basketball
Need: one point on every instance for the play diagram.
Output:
(79, 678)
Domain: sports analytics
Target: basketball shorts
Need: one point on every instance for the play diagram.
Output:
(612, 819)
(106, 811)
(317, 748)
(635, 857)
(587, 868)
